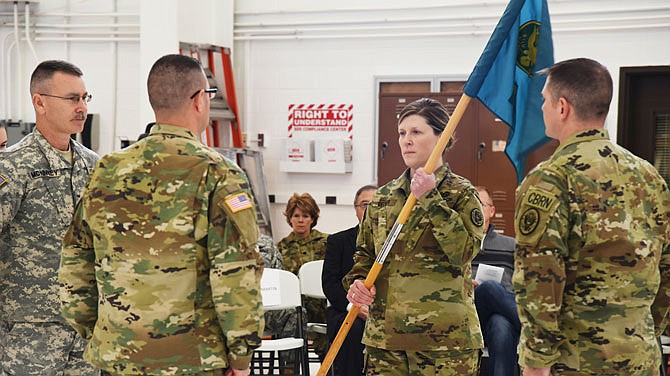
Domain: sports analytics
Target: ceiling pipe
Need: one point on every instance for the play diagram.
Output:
(19, 75)
(27, 30)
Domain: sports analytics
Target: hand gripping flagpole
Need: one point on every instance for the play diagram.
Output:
(430, 167)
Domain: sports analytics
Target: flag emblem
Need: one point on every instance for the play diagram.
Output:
(527, 46)
(238, 202)
(504, 78)
(2, 180)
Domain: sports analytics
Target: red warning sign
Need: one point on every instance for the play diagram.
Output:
(316, 120)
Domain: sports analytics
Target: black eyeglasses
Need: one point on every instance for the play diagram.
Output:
(211, 92)
(73, 99)
(362, 205)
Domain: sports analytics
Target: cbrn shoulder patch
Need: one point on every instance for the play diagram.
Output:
(539, 199)
(536, 208)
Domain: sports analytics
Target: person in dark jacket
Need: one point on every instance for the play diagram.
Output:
(494, 300)
(340, 248)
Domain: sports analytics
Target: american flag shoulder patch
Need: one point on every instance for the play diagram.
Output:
(3, 180)
(238, 202)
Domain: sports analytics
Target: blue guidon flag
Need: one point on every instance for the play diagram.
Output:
(505, 79)
(238, 202)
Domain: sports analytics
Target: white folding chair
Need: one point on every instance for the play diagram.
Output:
(310, 286)
(280, 289)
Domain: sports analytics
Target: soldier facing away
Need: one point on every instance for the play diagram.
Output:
(41, 179)
(159, 269)
(592, 223)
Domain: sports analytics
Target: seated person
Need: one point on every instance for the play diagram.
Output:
(340, 249)
(302, 245)
(494, 301)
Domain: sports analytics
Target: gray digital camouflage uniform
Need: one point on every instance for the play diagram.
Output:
(159, 269)
(424, 302)
(592, 270)
(38, 192)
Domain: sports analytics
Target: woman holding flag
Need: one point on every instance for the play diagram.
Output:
(422, 319)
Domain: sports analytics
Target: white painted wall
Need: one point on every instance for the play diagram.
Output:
(331, 51)
(305, 51)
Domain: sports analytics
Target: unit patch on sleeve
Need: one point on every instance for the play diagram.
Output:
(529, 220)
(3, 180)
(238, 202)
(541, 200)
(535, 209)
(477, 217)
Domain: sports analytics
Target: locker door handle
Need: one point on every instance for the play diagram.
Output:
(480, 152)
(385, 146)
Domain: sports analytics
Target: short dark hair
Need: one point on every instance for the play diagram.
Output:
(434, 112)
(369, 187)
(583, 82)
(172, 80)
(46, 69)
(306, 203)
(483, 188)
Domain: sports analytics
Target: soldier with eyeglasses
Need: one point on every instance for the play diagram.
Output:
(41, 180)
(167, 231)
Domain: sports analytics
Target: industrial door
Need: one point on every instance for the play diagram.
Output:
(644, 114)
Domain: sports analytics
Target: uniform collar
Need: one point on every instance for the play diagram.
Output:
(54, 158)
(587, 135)
(173, 130)
(402, 181)
(295, 238)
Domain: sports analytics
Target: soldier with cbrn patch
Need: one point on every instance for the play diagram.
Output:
(592, 263)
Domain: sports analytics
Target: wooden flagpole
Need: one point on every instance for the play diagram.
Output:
(395, 231)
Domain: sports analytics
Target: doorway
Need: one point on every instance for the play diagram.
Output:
(644, 114)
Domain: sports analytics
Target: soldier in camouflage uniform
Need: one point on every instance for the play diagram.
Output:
(41, 179)
(422, 318)
(592, 270)
(305, 244)
(159, 270)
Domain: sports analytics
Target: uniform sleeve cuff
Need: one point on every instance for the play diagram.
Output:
(239, 362)
(536, 360)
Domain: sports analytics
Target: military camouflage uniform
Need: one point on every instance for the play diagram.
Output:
(295, 252)
(592, 269)
(38, 191)
(424, 305)
(159, 269)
